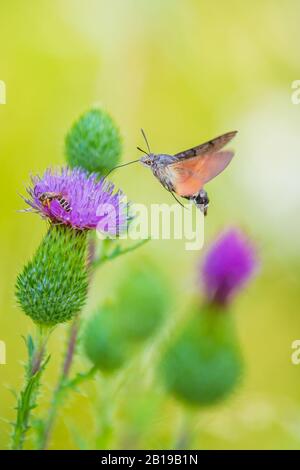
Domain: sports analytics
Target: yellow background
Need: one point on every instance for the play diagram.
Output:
(185, 71)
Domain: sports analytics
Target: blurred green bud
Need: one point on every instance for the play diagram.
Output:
(103, 340)
(94, 142)
(203, 365)
(142, 303)
(52, 288)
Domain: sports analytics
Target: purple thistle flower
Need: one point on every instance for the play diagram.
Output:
(78, 199)
(228, 265)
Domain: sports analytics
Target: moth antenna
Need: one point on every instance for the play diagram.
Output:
(141, 150)
(146, 140)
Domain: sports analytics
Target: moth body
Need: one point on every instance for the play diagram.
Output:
(186, 173)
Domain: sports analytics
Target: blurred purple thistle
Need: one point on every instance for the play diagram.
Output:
(228, 265)
(79, 200)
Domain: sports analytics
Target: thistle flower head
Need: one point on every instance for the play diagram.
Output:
(228, 265)
(78, 199)
(94, 142)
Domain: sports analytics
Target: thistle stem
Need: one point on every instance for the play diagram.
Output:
(116, 252)
(70, 349)
(58, 392)
(27, 398)
(61, 391)
(186, 435)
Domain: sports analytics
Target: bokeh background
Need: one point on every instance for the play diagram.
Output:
(185, 71)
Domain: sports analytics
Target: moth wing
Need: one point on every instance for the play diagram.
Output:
(190, 175)
(211, 146)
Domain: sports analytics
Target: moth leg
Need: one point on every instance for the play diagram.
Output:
(177, 200)
(201, 200)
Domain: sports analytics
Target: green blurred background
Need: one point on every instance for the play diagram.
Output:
(185, 71)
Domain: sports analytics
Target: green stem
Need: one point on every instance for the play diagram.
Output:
(105, 415)
(80, 378)
(61, 392)
(184, 439)
(27, 400)
(116, 252)
(47, 426)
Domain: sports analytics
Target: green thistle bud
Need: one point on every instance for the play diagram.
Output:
(203, 364)
(94, 142)
(53, 286)
(103, 340)
(142, 303)
(112, 333)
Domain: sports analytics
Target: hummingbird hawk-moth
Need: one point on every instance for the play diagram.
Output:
(186, 173)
